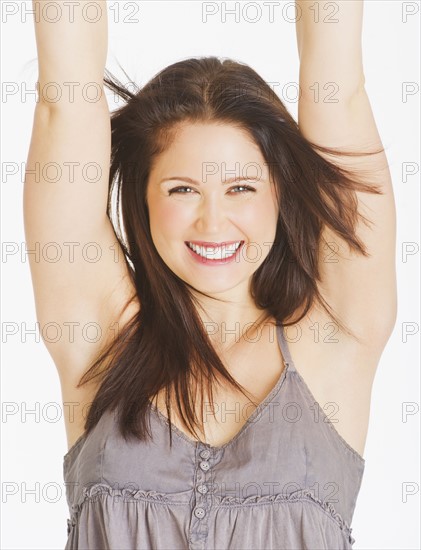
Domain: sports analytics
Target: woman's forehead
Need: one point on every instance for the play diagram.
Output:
(208, 150)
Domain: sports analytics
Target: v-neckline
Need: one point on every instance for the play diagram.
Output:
(259, 409)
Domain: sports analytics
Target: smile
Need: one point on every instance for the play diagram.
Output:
(215, 253)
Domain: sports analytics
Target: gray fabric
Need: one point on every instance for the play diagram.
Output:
(287, 480)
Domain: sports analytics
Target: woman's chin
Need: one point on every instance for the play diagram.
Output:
(209, 284)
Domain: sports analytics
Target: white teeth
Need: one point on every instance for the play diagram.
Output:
(217, 253)
(231, 247)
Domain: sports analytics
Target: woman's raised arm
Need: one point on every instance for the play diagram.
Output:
(334, 111)
(78, 263)
(330, 49)
(72, 46)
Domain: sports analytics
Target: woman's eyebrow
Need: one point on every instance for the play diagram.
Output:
(227, 181)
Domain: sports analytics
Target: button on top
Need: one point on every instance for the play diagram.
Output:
(199, 513)
(205, 453)
(205, 466)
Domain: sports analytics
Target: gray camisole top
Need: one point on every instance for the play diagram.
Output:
(286, 480)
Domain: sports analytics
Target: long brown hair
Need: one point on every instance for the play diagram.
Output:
(165, 345)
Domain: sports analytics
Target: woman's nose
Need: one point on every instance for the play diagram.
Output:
(210, 216)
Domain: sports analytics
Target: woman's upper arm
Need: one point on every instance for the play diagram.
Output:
(361, 289)
(79, 274)
(334, 111)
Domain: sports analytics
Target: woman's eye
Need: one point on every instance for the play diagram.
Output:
(178, 189)
(245, 187)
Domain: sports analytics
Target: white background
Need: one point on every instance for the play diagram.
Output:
(32, 449)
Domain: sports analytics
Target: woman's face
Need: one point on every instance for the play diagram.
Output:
(194, 200)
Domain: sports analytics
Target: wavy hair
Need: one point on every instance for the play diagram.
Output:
(165, 346)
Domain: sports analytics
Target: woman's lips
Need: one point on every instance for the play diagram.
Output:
(214, 244)
(209, 262)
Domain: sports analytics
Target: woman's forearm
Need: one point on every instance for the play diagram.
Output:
(329, 39)
(72, 46)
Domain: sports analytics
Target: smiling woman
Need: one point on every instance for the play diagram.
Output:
(223, 206)
(213, 210)
(193, 123)
(173, 145)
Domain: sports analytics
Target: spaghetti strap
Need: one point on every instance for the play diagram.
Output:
(283, 344)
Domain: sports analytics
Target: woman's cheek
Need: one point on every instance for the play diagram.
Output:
(181, 215)
(170, 216)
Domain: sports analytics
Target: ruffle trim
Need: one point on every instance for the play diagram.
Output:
(129, 493)
(301, 494)
(89, 493)
(125, 494)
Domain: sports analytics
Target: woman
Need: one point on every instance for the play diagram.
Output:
(249, 245)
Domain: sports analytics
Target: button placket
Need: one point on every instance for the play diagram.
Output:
(202, 488)
(200, 512)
